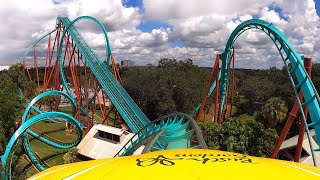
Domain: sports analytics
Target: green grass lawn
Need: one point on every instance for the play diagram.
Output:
(97, 114)
(55, 130)
(27, 169)
(50, 155)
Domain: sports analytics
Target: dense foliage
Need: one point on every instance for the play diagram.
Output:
(11, 105)
(263, 100)
(171, 86)
(70, 156)
(250, 137)
(255, 87)
(273, 112)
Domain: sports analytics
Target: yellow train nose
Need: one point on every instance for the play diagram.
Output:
(183, 164)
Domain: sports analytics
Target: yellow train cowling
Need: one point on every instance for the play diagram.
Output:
(183, 164)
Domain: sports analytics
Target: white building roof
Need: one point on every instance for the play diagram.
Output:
(109, 129)
(292, 143)
(96, 147)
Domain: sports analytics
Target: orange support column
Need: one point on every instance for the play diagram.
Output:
(307, 66)
(233, 83)
(205, 96)
(217, 97)
(290, 119)
(37, 72)
(287, 127)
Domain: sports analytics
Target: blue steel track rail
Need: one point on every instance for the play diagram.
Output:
(293, 62)
(131, 113)
(24, 130)
(128, 109)
(173, 131)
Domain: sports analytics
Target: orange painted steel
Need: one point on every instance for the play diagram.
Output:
(217, 96)
(115, 70)
(214, 72)
(214, 77)
(233, 88)
(45, 73)
(292, 116)
(36, 63)
(308, 66)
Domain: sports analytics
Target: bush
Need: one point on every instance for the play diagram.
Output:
(70, 156)
(250, 137)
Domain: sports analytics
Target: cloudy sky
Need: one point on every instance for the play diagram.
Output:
(148, 30)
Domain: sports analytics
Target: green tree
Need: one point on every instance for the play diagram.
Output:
(70, 156)
(18, 75)
(50, 101)
(242, 104)
(11, 105)
(257, 89)
(274, 111)
(250, 137)
(171, 86)
(257, 86)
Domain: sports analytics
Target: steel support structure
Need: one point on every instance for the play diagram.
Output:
(290, 119)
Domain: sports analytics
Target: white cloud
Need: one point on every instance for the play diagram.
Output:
(204, 27)
(176, 9)
(110, 12)
(209, 23)
(26, 21)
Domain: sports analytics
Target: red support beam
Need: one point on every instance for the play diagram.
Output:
(205, 96)
(289, 122)
(115, 70)
(47, 64)
(36, 64)
(48, 77)
(27, 68)
(87, 88)
(307, 66)
(216, 106)
(233, 82)
(286, 127)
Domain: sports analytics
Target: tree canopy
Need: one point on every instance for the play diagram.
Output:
(173, 85)
(11, 105)
(251, 137)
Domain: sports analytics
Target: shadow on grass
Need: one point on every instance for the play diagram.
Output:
(47, 135)
(47, 158)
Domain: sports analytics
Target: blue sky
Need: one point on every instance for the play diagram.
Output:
(150, 24)
(148, 30)
(318, 7)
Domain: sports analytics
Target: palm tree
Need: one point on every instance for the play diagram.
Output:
(274, 111)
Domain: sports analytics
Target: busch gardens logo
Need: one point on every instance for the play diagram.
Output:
(201, 158)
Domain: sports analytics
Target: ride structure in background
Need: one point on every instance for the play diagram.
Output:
(212, 89)
(71, 55)
(307, 98)
(75, 71)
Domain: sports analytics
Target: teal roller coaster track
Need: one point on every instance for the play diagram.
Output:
(169, 132)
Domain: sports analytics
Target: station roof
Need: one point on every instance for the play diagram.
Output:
(292, 142)
(109, 129)
(95, 147)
